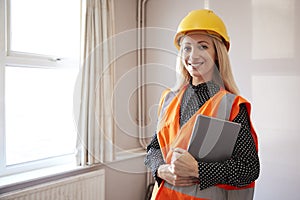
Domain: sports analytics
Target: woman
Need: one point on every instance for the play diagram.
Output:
(205, 78)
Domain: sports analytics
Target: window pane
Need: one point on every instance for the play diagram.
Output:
(49, 27)
(38, 113)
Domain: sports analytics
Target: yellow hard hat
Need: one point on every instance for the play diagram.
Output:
(205, 20)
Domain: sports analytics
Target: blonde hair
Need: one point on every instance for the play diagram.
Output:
(223, 73)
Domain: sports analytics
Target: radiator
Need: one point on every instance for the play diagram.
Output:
(88, 186)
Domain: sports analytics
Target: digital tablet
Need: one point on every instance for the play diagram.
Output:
(213, 139)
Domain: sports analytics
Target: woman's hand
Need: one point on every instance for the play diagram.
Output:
(183, 170)
(165, 173)
(183, 163)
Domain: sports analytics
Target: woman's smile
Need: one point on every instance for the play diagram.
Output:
(195, 65)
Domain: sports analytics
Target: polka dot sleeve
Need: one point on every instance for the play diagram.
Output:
(242, 168)
(154, 157)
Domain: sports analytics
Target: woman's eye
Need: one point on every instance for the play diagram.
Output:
(187, 49)
(203, 47)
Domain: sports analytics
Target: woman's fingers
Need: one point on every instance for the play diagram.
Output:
(183, 181)
(179, 150)
(165, 172)
(183, 163)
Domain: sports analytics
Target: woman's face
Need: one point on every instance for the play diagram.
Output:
(198, 56)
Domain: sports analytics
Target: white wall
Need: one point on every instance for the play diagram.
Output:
(126, 179)
(126, 79)
(265, 60)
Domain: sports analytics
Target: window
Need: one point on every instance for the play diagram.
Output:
(40, 46)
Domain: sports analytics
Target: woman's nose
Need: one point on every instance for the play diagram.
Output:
(195, 53)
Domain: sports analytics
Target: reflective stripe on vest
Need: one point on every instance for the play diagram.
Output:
(214, 192)
(219, 106)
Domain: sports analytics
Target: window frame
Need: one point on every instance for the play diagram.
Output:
(26, 60)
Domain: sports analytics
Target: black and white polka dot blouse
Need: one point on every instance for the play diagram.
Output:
(243, 167)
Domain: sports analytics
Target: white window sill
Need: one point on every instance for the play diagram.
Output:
(35, 174)
(23, 180)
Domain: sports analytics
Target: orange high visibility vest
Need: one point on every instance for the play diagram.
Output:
(169, 136)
